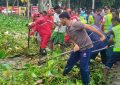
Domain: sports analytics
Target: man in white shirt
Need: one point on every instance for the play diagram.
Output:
(59, 31)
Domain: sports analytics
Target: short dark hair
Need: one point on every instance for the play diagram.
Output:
(64, 15)
(44, 12)
(56, 7)
(117, 13)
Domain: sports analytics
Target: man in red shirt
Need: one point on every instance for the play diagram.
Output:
(50, 19)
(36, 16)
(43, 26)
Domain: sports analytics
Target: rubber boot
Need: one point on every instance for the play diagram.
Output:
(43, 53)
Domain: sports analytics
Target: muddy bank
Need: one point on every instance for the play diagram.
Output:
(115, 75)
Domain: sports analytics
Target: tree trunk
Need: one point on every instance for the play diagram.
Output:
(28, 9)
(68, 5)
(93, 4)
(7, 6)
(43, 5)
(14, 3)
(50, 4)
(18, 6)
(40, 7)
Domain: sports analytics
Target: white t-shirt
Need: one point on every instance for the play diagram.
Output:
(61, 29)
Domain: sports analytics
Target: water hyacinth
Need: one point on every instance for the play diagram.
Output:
(13, 40)
(13, 33)
(6, 33)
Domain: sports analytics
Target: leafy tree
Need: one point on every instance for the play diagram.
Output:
(117, 3)
(108, 2)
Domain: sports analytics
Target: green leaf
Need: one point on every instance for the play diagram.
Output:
(48, 73)
(6, 66)
(50, 63)
(34, 75)
(2, 54)
(27, 66)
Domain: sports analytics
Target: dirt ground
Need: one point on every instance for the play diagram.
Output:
(115, 75)
(18, 63)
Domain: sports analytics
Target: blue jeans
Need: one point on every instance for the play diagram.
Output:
(113, 59)
(109, 51)
(84, 58)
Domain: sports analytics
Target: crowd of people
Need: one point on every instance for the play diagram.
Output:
(91, 32)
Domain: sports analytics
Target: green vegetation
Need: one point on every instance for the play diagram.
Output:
(13, 35)
(13, 40)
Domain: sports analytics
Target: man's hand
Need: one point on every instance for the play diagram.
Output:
(29, 24)
(102, 38)
(31, 33)
(76, 48)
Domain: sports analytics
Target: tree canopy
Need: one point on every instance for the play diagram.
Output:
(74, 3)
